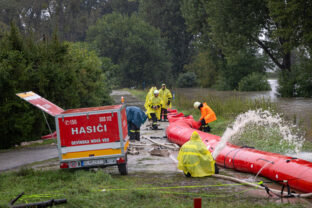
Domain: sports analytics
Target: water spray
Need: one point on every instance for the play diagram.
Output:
(261, 118)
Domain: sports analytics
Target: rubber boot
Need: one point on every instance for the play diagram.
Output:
(216, 169)
(137, 135)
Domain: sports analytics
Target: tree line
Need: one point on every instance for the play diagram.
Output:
(231, 33)
(221, 44)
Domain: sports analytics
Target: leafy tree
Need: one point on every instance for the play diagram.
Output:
(166, 15)
(243, 63)
(133, 45)
(93, 86)
(70, 18)
(276, 27)
(67, 74)
(220, 32)
(17, 119)
(254, 82)
(187, 79)
(205, 68)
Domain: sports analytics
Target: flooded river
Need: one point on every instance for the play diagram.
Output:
(299, 108)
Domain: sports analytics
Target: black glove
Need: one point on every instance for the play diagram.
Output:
(203, 122)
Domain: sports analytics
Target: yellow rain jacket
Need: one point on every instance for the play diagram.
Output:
(194, 158)
(165, 95)
(154, 106)
(149, 94)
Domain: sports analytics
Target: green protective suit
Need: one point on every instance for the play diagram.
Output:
(165, 95)
(154, 102)
(194, 158)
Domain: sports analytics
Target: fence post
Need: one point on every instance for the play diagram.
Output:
(197, 203)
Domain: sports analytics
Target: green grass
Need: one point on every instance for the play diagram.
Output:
(263, 138)
(140, 94)
(83, 189)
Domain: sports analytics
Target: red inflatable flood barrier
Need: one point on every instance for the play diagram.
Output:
(283, 169)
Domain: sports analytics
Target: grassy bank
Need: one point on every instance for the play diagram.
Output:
(227, 109)
(84, 189)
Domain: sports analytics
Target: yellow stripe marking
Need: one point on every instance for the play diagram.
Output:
(27, 94)
(94, 153)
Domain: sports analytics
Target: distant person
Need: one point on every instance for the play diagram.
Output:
(166, 97)
(154, 108)
(207, 115)
(135, 118)
(194, 158)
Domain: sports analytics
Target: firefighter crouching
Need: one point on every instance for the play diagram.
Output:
(135, 118)
(207, 115)
(166, 97)
(154, 108)
(195, 160)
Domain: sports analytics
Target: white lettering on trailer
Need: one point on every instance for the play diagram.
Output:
(47, 106)
(92, 141)
(89, 129)
(82, 130)
(105, 140)
(104, 119)
(95, 140)
(80, 142)
(71, 122)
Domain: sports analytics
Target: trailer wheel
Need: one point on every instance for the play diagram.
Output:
(123, 168)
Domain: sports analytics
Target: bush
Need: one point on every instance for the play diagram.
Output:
(187, 79)
(254, 82)
(298, 81)
(65, 74)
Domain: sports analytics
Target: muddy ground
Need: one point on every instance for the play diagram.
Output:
(143, 163)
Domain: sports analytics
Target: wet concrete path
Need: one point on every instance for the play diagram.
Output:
(11, 159)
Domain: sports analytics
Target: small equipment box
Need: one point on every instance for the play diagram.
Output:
(88, 137)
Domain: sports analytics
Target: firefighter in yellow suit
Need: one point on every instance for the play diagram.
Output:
(147, 98)
(154, 107)
(194, 158)
(166, 97)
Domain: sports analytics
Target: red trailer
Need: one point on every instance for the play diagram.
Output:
(88, 137)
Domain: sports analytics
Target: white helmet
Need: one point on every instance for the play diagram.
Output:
(196, 104)
(156, 92)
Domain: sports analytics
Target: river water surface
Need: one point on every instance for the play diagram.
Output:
(299, 108)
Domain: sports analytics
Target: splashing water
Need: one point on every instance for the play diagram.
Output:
(264, 118)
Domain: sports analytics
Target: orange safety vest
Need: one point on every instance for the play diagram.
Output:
(207, 114)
